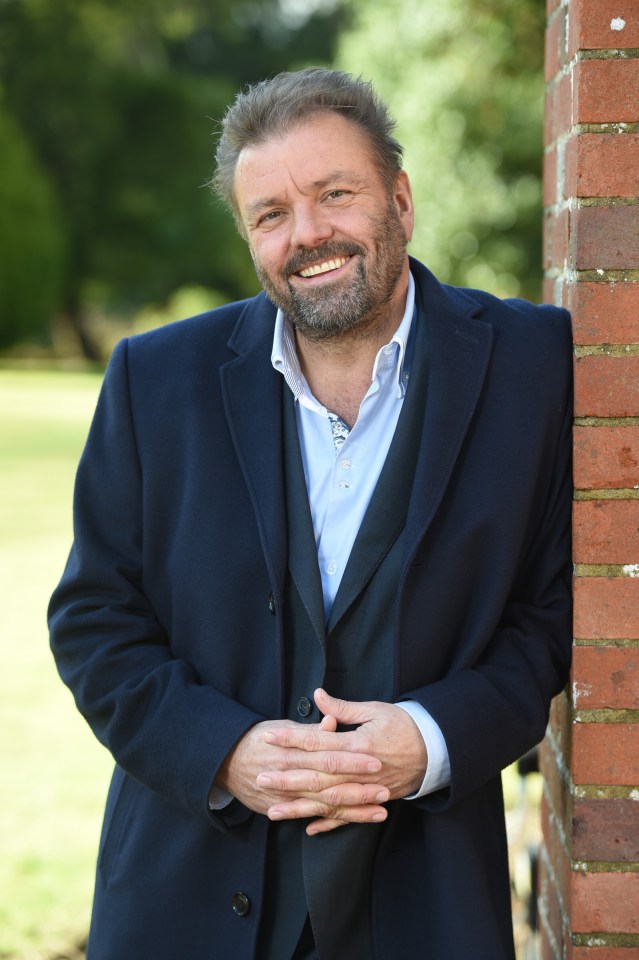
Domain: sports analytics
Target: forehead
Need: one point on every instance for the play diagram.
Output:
(310, 153)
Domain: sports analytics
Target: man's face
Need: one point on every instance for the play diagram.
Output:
(327, 237)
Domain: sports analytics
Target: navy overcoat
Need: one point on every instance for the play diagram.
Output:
(167, 622)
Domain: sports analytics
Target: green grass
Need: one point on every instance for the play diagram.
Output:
(53, 773)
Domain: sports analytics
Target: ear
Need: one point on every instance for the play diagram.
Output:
(403, 200)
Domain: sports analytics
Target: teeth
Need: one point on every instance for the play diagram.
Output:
(324, 267)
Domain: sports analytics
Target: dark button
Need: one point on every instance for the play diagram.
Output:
(271, 603)
(241, 904)
(304, 707)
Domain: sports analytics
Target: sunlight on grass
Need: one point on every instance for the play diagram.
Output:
(54, 774)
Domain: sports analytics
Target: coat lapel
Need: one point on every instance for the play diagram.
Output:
(460, 346)
(252, 393)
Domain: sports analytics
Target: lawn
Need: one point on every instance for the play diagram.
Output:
(54, 774)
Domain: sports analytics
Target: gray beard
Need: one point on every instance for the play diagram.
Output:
(359, 308)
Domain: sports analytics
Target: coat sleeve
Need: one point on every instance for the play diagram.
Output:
(495, 710)
(160, 722)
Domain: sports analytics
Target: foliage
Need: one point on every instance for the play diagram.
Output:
(464, 80)
(117, 100)
(31, 239)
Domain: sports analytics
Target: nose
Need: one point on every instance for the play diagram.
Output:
(311, 226)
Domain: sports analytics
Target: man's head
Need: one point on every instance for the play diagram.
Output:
(315, 182)
(273, 107)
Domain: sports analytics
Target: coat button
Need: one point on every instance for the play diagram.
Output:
(271, 603)
(304, 707)
(241, 904)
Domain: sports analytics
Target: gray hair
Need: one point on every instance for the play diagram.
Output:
(273, 107)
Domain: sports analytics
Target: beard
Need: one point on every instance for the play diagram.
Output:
(353, 305)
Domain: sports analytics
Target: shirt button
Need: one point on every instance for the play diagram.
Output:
(304, 707)
(345, 464)
(331, 567)
(344, 485)
(241, 904)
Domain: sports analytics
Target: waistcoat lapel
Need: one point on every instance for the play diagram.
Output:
(385, 517)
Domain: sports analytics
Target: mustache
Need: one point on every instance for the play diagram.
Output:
(327, 251)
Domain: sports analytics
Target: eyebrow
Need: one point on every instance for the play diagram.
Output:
(336, 176)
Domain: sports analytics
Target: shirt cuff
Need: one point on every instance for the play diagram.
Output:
(438, 768)
(219, 798)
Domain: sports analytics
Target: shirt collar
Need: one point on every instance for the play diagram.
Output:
(285, 361)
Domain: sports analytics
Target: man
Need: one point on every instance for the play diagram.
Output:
(319, 591)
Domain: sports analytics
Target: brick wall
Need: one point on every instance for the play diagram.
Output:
(589, 878)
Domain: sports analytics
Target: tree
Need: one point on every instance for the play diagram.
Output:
(464, 80)
(118, 100)
(32, 242)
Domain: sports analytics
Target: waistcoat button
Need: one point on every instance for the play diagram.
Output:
(271, 603)
(304, 707)
(241, 904)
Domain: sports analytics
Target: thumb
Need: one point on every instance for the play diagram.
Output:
(344, 711)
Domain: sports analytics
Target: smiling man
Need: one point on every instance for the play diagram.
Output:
(319, 594)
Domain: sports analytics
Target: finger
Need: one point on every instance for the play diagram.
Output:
(328, 723)
(323, 825)
(339, 763)
(324, 787)
(344, 711)
(304, 808)
(317, 740)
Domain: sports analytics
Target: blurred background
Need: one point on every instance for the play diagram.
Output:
(108, 116)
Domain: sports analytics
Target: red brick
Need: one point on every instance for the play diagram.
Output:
(558, 854)
(559, 108)
(605, 237)
(606, 91)
(607, 386)
(550, 905)
(555, 44)
(590, 26)
(606, 678)
(606, 754)
(606, 531)
(605, 902)
(550, 177)
(553, 290)
(560, 723)
(606, 830)
(557, 797)
(606, 458)
(605, 953)
(556, 238)
(602, 165)
(606, 608)
(604, 312)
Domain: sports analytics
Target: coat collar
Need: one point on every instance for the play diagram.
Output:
(459, 347)
(460, 340)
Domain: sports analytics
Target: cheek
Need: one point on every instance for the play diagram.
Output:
(268, 255)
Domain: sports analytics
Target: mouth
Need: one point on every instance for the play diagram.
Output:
(326, 266)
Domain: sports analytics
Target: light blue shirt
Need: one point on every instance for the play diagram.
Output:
(342, 469)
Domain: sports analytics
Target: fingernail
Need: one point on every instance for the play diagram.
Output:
(275, 815)
(378, 816)
(373, 767)
(264, 781)
(382, 796)
(269, 737)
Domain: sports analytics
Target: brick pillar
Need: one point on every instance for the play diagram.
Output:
(589, 878)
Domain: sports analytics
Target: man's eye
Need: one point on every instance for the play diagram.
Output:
(336, 194)
(270, 216)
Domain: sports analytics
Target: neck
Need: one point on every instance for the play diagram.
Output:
(339, 369)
